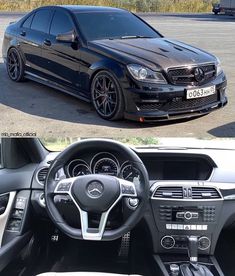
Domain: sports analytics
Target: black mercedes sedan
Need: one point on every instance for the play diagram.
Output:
(115, 60)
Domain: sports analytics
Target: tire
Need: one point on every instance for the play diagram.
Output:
(107, 97)
(15, 65)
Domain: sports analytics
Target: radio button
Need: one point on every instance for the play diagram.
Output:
(193, 227)
(187, 227)
(180, 227)
(188, 215)
(174, 226)
(195, 215)
(168, 226)
(204, 227)
(199, 227)
(180, 214)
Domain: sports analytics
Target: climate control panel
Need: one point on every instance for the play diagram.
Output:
(181, 242)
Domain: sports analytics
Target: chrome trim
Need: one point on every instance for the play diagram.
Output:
(79, 165)
(76, 160)
(165, 246)
(95, 236)
(204, 237)
(192, 65)
(104, 152)
(191, 184)
(4, 217)
(41, 200)
(37, 172)
(124, 165)
(36, 76)
(193, 259)
(105, 159)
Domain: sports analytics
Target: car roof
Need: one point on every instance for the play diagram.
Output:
(86, 8)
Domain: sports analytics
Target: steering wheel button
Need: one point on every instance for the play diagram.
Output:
(64, 187)
(128, 190)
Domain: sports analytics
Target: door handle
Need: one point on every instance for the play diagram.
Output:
(47, 42)
(23, 33)
(3, 203)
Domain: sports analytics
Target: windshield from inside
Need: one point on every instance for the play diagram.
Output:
(58, 144)
(103, 25)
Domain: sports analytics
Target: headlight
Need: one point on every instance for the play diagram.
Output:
(142, 73)
(219, 69)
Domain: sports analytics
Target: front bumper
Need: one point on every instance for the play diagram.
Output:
(150, 103)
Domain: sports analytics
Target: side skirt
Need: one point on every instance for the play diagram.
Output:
(41, 80)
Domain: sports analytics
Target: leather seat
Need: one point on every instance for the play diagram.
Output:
(83, 274)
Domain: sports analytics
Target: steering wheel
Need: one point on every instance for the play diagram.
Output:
(96, 193)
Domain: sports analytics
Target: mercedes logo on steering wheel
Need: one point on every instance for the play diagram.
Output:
(95, 189)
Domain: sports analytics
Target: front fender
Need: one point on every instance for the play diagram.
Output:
(109, 65)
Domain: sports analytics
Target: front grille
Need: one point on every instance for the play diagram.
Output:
(179, 104)
(186, 75)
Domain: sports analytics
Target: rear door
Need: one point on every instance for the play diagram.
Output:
(31, 37)
(61, 59)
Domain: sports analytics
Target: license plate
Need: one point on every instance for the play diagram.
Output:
(200, 92)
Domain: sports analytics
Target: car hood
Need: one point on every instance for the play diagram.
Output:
(152, 52)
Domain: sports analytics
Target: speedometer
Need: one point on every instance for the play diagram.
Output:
(106, 166)
(129, 173)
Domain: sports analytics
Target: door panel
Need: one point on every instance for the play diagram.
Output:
(15, 220)
(6, 203)
(31, 36)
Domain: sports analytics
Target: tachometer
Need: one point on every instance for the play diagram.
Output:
(129, 173)
(80, 169)
(106, 166)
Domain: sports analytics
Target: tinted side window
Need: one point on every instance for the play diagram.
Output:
(61, 23)
(41, 21)
(28, 21)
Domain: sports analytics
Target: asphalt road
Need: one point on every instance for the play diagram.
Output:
(31, 107)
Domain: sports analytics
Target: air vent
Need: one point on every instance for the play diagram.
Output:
(42, 174)
(169, 192)
(205, 193)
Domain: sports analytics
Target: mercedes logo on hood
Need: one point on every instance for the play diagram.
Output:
(95, 189)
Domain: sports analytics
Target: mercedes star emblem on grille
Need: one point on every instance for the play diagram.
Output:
(199, 74)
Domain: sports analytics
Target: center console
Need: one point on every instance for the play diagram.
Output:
(186, 216)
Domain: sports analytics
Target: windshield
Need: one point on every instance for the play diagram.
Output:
(58, 144)
(103, 25)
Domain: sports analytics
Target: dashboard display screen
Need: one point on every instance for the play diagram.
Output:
(180, 170)
(177, 167)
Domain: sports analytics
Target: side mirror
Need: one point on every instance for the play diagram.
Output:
(69, 37)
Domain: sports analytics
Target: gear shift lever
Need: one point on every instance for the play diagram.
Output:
(193, 268)
(193, 249)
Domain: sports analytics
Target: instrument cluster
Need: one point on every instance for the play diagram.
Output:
(103, 163)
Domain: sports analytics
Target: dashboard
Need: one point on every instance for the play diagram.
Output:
(161, 165)
(191, 190)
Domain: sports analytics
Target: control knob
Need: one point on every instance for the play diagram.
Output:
(167, 242)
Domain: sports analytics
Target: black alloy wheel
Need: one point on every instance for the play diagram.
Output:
(15, 66)
(107, 96)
